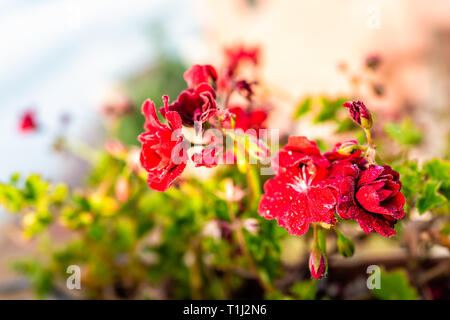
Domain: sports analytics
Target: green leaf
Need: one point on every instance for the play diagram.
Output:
(430, 198)
(305, 290)
(329, 109)
(439, 170)
(412, 179)
(394, 285)
(303, 107)
(406, 133)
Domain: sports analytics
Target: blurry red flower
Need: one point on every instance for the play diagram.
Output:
(199, 74)
(236, 55)
(194, 104)
(245, 88)
(299, 195)
(162, 153)
(359, 113)
(207, 158)
(371, 196)
(115, 148)
(27, 122)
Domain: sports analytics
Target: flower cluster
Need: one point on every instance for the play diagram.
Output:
(311, 187)
(164, 147)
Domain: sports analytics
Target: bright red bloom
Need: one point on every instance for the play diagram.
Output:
(194, 104)
(198, 74)
(359, 113)
(371, 196)
(27, 122)
(299, 195)
(243, 119)
(162, 154)
(300, 150)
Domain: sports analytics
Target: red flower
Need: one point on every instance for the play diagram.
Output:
(346, 151)
(236, 55)
(27, 122)
(300, 150)
(298, 195)
(371, 196)
(194, 104)
(207, 158)
(243, 119)
(162, 154)
(359, 113)
(198, 74)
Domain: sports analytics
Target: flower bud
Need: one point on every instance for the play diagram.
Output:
(359, 113)
(345, 246)
(122, 189)
(251, 225)
(373, 61)
(317, 264)
(347, 148)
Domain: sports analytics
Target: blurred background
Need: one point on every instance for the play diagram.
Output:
(76, 63)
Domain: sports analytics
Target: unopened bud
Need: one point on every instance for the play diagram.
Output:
(359, 113)
(317, 264)
(251, 225)
(122, 189)
(345, 246)
(348, 148)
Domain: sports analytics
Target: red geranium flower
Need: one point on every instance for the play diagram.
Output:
(243, 119)
(194, 104)
(300, 150)
(299, 195)
(27, 122)
(198, 74)
(162, 153)
(371, 196)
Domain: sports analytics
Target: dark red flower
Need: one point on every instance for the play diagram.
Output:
(194, 104)
(371, 196)
(298, 195)
(162, 155)
(199, 74)
(27, 122)
(359, 113)
(245, 88)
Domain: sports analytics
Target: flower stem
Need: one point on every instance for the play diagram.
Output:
(254, 185)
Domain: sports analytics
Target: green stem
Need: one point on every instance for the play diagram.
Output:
(255, 186)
